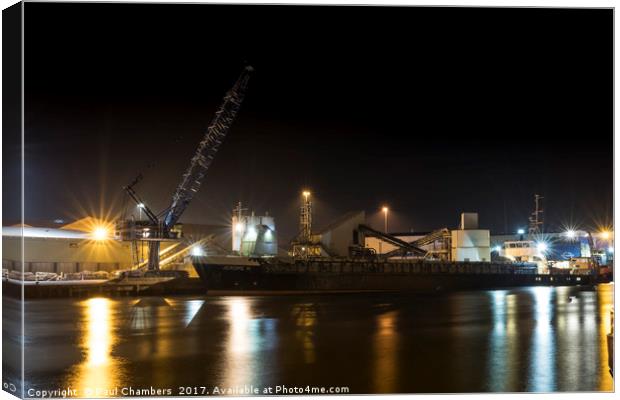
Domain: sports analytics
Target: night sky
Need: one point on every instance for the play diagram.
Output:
(432, 111)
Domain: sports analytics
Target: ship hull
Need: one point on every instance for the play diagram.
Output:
(372, 276)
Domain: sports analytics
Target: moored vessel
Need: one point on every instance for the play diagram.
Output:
(278, 274)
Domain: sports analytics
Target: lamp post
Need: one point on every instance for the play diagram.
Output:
(140, 207)
(385, 219)
(306, 217)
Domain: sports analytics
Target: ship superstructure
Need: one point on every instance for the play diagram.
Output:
(253, 235)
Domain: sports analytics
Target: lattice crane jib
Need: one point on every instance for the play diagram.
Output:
(194, 175)
(208, 147)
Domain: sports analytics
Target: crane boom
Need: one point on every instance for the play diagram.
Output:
(208, 147)
(159, 230)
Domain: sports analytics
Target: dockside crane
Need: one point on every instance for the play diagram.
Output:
(160, 228)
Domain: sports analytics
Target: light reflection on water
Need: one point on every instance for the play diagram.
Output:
(241, 342)
(542, 351)
(605, 301)
(247, 340)
(385, 344)
(529, 339)
(191, 309)
(501, 353)
(99, 370)
(305, 316)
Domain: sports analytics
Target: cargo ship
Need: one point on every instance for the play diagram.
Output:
(241, 274)
(350, 256)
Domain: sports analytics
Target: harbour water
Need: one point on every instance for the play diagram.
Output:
(539, 339)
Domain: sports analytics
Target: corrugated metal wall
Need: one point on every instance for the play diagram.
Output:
(66, 255)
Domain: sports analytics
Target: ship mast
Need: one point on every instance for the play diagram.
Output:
(536, 219)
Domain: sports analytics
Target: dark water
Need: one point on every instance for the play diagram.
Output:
(527, 339)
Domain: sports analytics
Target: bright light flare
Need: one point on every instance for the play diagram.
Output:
(542, 247)
(306, 193)
(521, 231)
(385, 209)
(101, 233)
(197, 251)
(570, 234)
(239, 227)
(605, 234)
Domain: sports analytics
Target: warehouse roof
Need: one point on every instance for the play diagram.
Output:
(29, 231)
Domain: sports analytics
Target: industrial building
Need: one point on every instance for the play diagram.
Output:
(88, 245)
(467, 243)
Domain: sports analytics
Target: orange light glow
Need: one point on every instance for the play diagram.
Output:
(101, 233)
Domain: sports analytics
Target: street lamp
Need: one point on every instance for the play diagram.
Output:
(521, 231)
(140, 207)
(385, 218)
